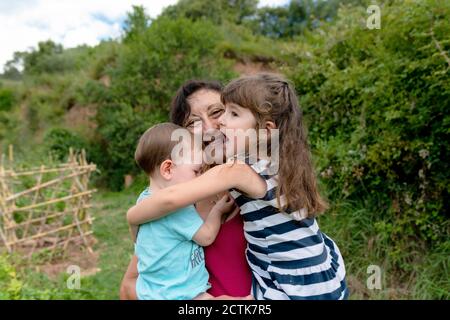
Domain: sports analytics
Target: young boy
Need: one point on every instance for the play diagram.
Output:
(171, 262)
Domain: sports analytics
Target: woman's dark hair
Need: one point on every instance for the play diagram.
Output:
(180, 108)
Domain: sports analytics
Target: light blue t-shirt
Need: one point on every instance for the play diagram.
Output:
(171, 265)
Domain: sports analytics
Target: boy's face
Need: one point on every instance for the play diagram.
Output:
(184, 172)
(185, 165)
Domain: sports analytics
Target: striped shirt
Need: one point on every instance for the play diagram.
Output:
(290, 258)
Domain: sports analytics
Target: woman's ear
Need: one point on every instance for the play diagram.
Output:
(165, 169)
(270, 125)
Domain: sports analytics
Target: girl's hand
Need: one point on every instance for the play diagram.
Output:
(224, 205)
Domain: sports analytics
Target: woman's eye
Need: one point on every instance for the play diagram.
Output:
(217, 113)
(193, 123)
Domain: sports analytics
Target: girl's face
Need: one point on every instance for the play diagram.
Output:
(236, 117)
(206, 108)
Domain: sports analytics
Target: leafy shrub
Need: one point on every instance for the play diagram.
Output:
(58, 141)
(10, 285)
(7, 99)
(158, 60)
(216, 11)
(13, 288)
(377, 103)
(119, 131)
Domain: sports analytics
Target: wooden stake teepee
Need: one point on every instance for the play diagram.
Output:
(46, 207)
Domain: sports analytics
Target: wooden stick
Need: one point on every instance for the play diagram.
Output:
(7, 217)
(3, 237)
(11, 153)
(42, 234)
(74, 237)
(36, 226)
(10, 173)
(43, 185)
(48, 217)
(78, 223)
(77, 195)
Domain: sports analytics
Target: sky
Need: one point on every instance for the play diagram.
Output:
(23, 23)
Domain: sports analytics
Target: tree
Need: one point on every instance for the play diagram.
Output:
(47, 58)
(296, 17)
(218, 11)
(136, 23)
(40, 60)
(12, 67)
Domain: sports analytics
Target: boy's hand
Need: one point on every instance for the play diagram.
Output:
(207, 233)
(224, 205)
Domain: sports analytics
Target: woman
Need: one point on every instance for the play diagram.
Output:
(198, 103)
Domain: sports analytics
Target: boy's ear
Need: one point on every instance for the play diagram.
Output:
(165, 169)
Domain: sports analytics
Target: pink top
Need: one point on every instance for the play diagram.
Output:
(229, 273)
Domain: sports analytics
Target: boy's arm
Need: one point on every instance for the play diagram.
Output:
(207, 233)
(134, 230)
(218, 179)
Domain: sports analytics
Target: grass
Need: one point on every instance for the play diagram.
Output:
(352, 227)
(114, 247)
(349, 224)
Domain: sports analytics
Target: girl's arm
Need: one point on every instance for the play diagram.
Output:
(218, 179)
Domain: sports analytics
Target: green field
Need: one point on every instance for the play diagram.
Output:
(375, 102)
(428, 278)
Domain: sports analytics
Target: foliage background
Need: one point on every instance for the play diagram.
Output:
(376, 103)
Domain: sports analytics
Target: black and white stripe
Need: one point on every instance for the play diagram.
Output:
(289, 256)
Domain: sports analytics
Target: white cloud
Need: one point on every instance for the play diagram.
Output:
(272, 3)
(23, 23)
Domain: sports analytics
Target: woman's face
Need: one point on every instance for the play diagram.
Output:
(206, 108)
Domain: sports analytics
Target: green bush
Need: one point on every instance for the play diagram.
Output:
(7, 99)
(8, 113)
(120, 128)
(152, 65)
(10, 285)
(377, 104)
(14, 288)
(58, 141)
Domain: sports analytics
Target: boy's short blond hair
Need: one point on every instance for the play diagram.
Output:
(155, 146)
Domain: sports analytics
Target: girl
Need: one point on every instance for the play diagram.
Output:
(289, 256)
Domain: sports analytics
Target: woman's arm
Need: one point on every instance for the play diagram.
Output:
(128, 285)
(218, 179)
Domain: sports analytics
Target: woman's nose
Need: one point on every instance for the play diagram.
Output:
(209, 124)
(221, 120)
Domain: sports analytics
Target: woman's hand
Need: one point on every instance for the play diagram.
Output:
(128, 285)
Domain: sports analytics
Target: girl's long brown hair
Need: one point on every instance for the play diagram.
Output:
(271, 97)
